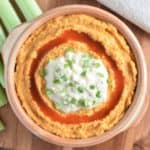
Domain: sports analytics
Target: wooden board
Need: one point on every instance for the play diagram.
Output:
(17, 137)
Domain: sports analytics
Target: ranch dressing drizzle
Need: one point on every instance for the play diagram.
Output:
(75, 81)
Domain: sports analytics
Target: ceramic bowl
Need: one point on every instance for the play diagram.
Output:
(21, 33)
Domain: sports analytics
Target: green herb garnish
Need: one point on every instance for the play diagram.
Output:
(97, 65)
(71, 84)
(92, 87)
(69, 62)
(57, 70)
(109, 81)
(74, 101)
(64, 78)
(66, 65)
(88, 55)
(70, 49)
(43, 72)
(83, 73)
(56, 81)
(98, 94)
(49, 92)
(94, 102)
(80, 89)
(100, 74)
(82, 102)
(85, 63)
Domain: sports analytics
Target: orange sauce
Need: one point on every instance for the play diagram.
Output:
(73, 118)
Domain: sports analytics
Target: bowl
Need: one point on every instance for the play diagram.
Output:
(21, 33)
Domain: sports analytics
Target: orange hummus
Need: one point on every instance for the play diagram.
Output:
(84, 34)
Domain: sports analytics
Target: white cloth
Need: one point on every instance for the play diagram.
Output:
(136, 11)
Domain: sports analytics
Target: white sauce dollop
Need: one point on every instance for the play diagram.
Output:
(75, 81)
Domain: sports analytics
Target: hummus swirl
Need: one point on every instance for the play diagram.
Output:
(84, 34)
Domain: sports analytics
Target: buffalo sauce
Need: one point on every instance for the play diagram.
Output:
(73, 118)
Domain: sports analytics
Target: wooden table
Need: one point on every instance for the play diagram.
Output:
(17, 137)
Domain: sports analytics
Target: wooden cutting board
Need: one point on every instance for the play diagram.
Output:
(16, 137)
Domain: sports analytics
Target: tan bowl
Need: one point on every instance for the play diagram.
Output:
(21, 33)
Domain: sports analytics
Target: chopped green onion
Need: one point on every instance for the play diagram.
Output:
(92, 87)
(2, 74)
(83, 73)
(69, 62)
(100, 74)
(56, 81)
(64, 78)
(86, 103)
(71, 84)
(29, 8)
(49, 92)
(66, 65)
(74, 101)
(43, 72)
(87, 56)
(70, 49)
(3, 98)
(8, 15)
(85, 63)
(97, 65)
(109, 81)
(57, 70)
(98, 94)
(83, 102)
(2, 126)
(94, 102)
(2, 37)
(80, 89)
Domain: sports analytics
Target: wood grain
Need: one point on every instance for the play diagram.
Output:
(17, 137)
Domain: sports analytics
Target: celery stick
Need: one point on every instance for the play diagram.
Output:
(29, 8)
(2, 74)
(2, 37)
(3, 98)
(8, 15)
(2, 126)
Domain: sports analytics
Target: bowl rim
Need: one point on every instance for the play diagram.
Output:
(138, 100)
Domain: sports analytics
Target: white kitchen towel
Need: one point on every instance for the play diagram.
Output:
(136, 11)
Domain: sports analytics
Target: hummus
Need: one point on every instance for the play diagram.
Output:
(75, 76)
